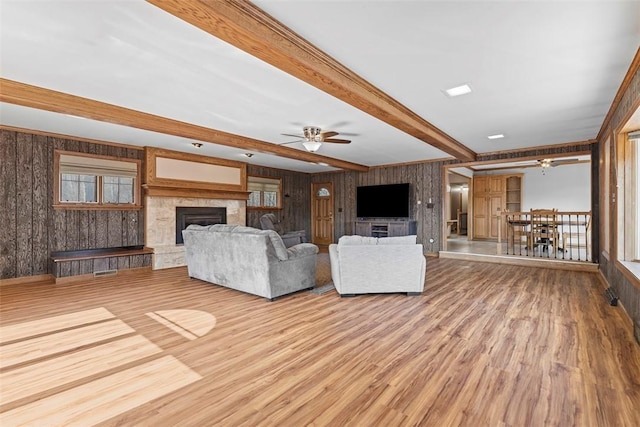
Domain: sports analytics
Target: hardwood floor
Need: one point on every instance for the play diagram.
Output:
(485, 345)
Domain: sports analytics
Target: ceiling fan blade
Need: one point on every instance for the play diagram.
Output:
(290, 142)
(329, 134)
(337, 141)
(561, 161)
(295, 136)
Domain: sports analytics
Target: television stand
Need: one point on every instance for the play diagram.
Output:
(385, 228)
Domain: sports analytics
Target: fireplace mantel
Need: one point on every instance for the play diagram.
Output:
(200, 193)
(174, 179)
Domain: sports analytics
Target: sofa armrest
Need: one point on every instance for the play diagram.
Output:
(301, 250)
(335, 266)
(290, 240)
(381, 268)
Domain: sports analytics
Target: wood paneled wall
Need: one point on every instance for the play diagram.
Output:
(425, 179)
(628, 292)
(426, 183)
(31, 228)
(296, 199)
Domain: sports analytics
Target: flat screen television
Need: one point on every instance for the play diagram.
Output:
(383, 201)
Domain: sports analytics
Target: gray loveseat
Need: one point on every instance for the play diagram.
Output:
(249, 260)
(368, 265)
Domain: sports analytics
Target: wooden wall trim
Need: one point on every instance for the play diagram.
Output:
(631, 72)
(27, 280)
(540, 147)
(45, 99)
(249, 28)
(69, 137)
(198, 193)
(151, 180)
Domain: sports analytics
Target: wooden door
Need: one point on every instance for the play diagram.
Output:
(496, 184)
(480, 217)
(496, 202)
(480, 184)
(322, 213)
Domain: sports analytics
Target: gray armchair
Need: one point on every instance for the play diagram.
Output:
(290, 238)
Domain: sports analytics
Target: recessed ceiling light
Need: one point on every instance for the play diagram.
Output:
(76, 117)
(197, 144)
(496, 136)
(458, 90)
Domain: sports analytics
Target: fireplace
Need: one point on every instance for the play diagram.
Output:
(185, 216)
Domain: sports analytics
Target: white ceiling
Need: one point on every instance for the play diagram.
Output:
(542, 73)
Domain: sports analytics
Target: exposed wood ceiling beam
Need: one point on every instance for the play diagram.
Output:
(58, 102)
(247, 27)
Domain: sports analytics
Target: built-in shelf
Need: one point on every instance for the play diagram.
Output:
(383, 228)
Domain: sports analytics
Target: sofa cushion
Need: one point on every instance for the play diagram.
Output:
(276, 241)
(399, 240)
(357, 241)
(230, 228)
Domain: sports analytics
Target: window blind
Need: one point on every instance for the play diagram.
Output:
(262, 186)
(95, 166)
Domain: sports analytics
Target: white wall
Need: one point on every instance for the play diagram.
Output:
(566, 188)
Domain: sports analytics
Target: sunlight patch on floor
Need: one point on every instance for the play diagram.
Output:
(86, 367)
(191, 324)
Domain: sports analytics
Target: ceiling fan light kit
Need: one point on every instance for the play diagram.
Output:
(312, 146)
(545, 163)
(312, 138)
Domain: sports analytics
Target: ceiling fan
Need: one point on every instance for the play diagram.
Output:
(545, 163)
(313, 137)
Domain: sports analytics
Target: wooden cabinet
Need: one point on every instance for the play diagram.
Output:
(513, 193)
(385, 228)
(493, 194)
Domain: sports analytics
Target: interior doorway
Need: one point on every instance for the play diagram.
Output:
(457, 205)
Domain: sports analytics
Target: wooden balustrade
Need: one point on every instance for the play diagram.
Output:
(547, 233)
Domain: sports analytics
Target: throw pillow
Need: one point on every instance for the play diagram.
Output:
(357, 241)
(400, 240)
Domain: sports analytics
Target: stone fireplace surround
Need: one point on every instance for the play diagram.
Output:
(160, 225)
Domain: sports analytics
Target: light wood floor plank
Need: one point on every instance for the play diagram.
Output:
(35, 348)
(105, 398)
(37, 378)
(484, 345)
(51, 324)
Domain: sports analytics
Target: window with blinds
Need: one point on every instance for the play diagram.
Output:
(264, 192)
(88, 180)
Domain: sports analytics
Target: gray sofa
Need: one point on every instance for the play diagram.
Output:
(249, 260)
(367, 265)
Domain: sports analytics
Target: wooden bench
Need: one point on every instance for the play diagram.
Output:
(98, 262)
